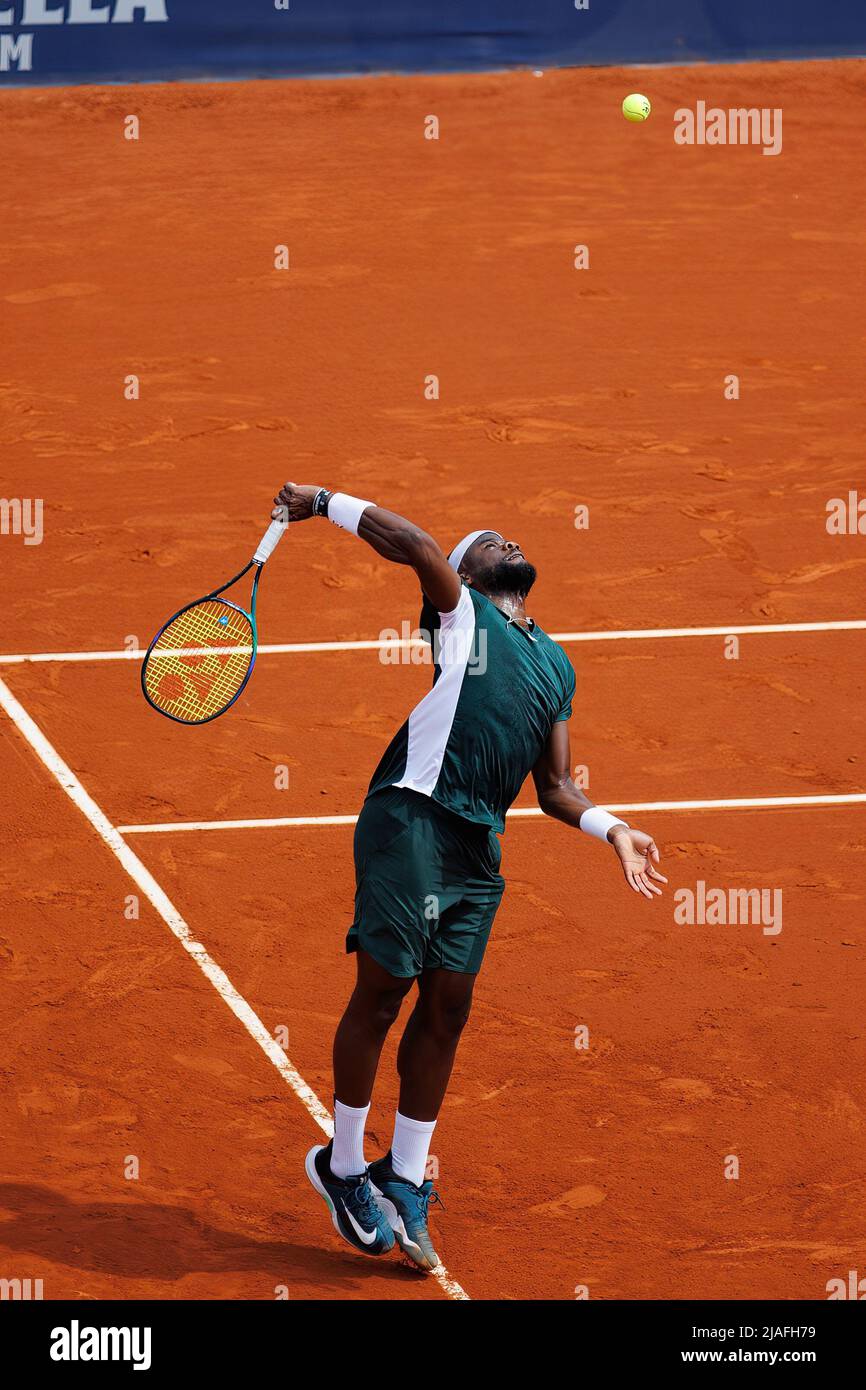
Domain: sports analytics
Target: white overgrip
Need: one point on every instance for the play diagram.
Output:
(270, 540)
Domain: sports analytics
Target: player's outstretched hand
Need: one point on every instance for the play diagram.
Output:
(638, 853)
(294, 502)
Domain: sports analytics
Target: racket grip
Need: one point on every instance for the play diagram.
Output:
(269, 541)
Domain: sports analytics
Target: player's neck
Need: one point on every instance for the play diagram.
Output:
(512, 605)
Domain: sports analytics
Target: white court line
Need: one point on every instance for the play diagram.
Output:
(144, 880)
(522, 812)
(386, 644)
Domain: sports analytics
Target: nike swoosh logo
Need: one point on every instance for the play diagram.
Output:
(366, 1236)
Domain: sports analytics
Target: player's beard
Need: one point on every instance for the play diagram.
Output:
(513, 577)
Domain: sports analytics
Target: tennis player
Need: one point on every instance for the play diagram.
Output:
(427, 855)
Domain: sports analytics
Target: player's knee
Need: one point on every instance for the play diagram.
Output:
(382, 1011)
(446, 1021)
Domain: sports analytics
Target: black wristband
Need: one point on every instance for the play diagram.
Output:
(320, 502)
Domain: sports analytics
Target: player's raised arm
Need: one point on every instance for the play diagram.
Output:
(559, 797)
(392, 536)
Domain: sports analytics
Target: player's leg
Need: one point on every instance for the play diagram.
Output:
(373, 1007)
(467, 888)
(390, 946)
(338, 1170)
(429, 1045)
(390, 952)
(424, 1060)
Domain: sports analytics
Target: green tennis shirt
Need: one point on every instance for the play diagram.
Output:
(497, 692)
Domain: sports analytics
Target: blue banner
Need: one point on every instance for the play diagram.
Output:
(61, 41)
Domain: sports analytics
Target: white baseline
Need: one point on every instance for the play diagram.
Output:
(640, 634)
(737, 803)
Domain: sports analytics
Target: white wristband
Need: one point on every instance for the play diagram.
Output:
(346, 511)
(597, 821)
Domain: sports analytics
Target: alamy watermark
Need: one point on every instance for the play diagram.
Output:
(846, 516)
(738, 125)
(852, 1288)
(22, 1290)
(22, 516)
(711, 907)
(77, 1343)
(417, 647)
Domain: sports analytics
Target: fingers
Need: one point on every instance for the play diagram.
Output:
(652, 853)
(638, 883)
(654, 892)
(282, 503)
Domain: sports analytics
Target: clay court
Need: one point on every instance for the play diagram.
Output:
(156, 1036)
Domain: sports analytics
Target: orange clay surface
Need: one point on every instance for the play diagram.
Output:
(559, 387)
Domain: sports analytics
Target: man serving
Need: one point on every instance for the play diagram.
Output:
(427, 855)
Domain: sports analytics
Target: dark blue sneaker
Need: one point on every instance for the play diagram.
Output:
(354, 1210)
(406, 1207)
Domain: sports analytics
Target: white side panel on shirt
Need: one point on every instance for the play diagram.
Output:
(431, 721)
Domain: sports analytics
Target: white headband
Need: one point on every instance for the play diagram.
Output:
(455, 559)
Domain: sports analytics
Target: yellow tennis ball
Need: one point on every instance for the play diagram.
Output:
(636, 107)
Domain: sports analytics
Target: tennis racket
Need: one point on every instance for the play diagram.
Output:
(201, 659)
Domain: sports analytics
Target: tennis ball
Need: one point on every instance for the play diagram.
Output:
(636, 107)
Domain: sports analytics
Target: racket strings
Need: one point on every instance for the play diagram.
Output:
(200, 661)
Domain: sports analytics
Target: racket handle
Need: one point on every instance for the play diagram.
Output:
(270, 540)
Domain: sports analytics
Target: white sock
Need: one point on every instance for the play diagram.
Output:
(347, 1155)
(410, 1146)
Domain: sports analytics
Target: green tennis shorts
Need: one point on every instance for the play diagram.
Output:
(427, 885)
